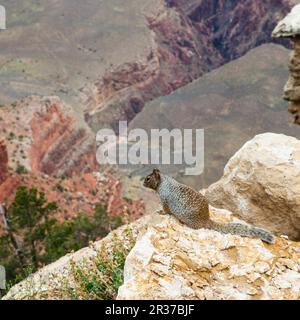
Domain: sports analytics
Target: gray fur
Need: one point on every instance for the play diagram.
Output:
(192, 208)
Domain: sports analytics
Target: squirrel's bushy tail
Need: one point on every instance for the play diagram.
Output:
(242, 230)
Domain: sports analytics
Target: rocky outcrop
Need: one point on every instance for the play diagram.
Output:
(46, 136)
(261, 184)
(171, 261)
(289, 27)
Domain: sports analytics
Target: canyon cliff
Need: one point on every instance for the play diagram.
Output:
(167, 260)
(143, 50)
(71, 81)
(154, 49)
(45, 135)
(44, 144)
(188, 40)
(232, 104)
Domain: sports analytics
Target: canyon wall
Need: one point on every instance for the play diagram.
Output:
(188, 39)
(232, 104)
(45, 135)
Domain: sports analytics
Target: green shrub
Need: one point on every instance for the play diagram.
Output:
(102, 279)
(59, 187)
(21, 169)
(11, 136)
(43, 240)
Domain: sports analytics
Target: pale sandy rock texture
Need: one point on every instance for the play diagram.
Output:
(289, 27)
(261, 184)
(172, 261)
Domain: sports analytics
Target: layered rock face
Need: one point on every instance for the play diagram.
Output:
(261, 184)
(47, 146)
(171, 261)
(127, 53)
(46, 136)
(176, 58)
(188, 39)
(46, 142)
(234, 27)
(289, 27)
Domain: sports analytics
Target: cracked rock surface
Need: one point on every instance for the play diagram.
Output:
(172, 261)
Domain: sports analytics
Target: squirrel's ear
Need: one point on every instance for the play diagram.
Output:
(156, 172)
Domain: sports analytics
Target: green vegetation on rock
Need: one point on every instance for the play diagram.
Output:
(34, 238)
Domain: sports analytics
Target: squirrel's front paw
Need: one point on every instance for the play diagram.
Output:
(161, 212)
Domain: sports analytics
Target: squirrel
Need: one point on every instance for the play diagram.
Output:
(192, 208)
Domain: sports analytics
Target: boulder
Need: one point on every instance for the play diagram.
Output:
(171, 261)
(290, 25)
(261, 184)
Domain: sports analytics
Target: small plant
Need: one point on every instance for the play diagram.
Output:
(94, 192)
(11, 136)
(28, 220)
(21, 169)
(102, 279)
(128, 200)
(59, 187)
